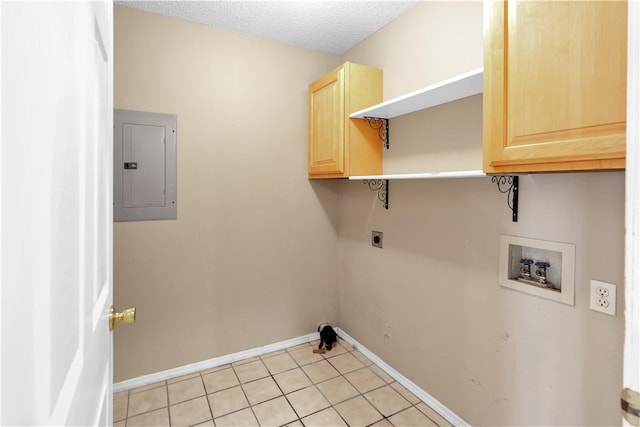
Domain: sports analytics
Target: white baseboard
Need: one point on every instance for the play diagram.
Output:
(431, 401)
(258, 351)
(211, 363)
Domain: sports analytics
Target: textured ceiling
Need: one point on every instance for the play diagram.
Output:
(325, 25)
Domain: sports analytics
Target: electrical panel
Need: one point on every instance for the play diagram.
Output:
(144, 172)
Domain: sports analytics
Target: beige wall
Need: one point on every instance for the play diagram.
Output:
(252, 258)
(429, 303)
(258, 250)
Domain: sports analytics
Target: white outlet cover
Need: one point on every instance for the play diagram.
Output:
(603, 297)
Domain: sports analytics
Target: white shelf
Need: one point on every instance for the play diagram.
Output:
(428, 175)
(459, 87)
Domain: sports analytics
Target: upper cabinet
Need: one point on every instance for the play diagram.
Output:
(338, 145)
(554, 86)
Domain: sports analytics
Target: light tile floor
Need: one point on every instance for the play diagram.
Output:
(292, 387)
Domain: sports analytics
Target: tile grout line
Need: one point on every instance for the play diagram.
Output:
(282, 391)
(255, 416)
(206, 396)
(315, 384)
(166, 385)
(298, 366)
(126, 414)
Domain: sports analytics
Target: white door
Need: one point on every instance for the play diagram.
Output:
(56, 213)
(631, 380)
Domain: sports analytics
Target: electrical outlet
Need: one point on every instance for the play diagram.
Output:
(603, 297)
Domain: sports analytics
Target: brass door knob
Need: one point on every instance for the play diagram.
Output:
(127, 316)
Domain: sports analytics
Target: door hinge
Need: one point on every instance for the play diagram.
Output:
(630, 404)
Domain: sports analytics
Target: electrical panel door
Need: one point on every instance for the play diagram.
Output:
(144, 166)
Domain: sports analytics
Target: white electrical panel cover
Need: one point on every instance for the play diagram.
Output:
(144, 173)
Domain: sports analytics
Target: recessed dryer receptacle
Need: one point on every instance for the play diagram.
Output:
(538, 267)
(376, 239)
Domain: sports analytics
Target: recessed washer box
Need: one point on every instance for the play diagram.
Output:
(538, 267)
(144, 172)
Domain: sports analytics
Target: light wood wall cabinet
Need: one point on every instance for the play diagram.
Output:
(338, 145)
(554, 86)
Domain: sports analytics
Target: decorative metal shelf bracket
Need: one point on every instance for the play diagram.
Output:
(382, 187)
(382, 126)
(509, 185)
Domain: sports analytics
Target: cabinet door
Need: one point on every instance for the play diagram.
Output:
(326, 125)
(554, 85)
